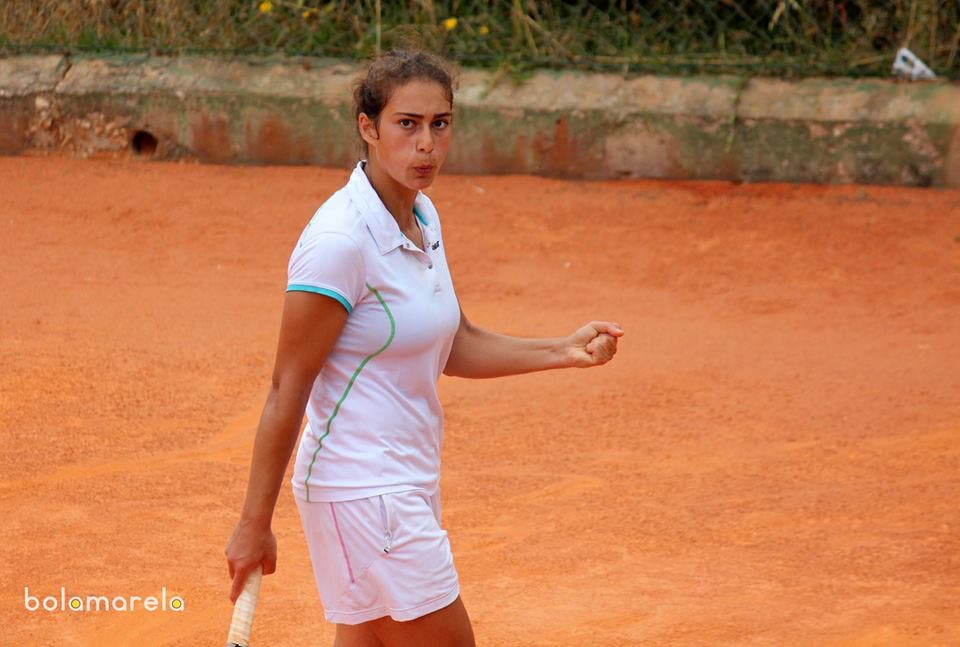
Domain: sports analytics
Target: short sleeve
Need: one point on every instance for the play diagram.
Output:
(327, 263)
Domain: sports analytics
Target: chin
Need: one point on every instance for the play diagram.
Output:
(420, 183)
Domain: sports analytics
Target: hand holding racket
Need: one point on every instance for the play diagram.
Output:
(240, 625)
(250, 544)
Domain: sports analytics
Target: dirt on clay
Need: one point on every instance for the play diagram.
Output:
(771, 459)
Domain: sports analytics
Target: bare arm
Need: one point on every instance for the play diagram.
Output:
(481, 353)
(310, 325)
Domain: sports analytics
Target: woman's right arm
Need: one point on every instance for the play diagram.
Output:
(309, 327)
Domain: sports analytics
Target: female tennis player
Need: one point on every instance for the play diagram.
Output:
(370, 320)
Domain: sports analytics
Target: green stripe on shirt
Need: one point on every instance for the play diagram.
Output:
(353, 378)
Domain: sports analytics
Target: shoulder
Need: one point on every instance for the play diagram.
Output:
(335, 242)
(330, 256)
(338, 220)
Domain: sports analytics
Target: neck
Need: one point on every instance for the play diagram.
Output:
(397, 198)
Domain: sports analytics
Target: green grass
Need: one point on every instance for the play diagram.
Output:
(783, 37)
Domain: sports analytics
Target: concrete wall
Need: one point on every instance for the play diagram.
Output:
(563, 124)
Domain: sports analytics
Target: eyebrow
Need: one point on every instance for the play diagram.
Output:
(413, 114)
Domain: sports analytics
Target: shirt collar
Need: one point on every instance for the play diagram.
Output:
(382, 225)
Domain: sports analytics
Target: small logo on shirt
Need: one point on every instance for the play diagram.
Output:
(435, 245)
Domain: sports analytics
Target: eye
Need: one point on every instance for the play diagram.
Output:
(440, 124)
(406, 123)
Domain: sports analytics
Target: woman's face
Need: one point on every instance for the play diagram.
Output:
(413, 136)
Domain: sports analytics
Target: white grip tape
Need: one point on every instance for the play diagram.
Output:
(239, 635)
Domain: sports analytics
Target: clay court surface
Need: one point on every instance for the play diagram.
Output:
(773, 458)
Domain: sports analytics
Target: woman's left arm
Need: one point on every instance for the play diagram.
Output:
(480, 353)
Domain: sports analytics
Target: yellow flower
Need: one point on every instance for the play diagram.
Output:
(449, 24)
(266, 6)
(484, 30)
(308, 13)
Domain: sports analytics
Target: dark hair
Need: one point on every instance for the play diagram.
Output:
(394, 68)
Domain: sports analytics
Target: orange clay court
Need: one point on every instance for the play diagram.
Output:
(773, 458)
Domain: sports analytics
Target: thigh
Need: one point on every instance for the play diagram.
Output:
(446, 627)
(361, 635)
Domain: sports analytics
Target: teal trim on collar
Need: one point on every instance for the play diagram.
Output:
(422, 220)
(324, 291)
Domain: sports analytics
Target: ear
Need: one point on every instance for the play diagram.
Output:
(368, 129)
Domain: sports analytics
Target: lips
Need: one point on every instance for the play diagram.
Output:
(423, 170)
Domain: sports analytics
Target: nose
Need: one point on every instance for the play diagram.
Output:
(425, 141)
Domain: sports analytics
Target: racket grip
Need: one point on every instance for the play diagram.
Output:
(239, 634)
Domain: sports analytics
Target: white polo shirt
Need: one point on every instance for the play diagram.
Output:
(374, 421)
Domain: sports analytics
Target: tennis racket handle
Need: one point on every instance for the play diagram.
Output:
(239, 635)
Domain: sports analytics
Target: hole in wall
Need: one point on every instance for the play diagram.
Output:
(143, 143)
